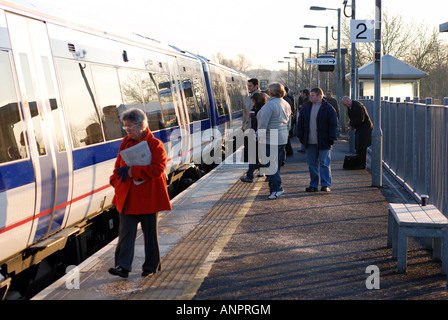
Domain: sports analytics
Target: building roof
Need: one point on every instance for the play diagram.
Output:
(392, 69)
(443, 27)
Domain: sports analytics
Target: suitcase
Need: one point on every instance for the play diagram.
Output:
(351, 162)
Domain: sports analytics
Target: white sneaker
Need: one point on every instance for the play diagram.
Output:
(275, 195)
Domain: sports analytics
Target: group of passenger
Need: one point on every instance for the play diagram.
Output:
(316, 125)
(141, 191)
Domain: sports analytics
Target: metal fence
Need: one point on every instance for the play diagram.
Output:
(415, 146)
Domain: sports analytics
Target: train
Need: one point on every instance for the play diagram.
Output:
(63, 89)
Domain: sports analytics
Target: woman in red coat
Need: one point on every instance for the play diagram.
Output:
(140, 193)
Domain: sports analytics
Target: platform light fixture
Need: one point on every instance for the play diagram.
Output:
(317, 56)
(316, 8)
(326, 47)
(309, 81)
(288, 66)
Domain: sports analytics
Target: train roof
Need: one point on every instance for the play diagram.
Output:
(60, 17)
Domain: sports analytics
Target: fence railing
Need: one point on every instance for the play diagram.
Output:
(415, 146)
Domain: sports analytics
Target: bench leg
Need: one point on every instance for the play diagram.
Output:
(394, 239)
(429, 243)
(444, 254)
(437, 248)
(402, 247)
(390, 229)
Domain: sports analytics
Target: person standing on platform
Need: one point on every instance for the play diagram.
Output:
(140, 193)
(290, 100)
(329, 98)
(303, 100)
(274, 122)
(360, 121)
(317, 131)
(259, 100)
(253, 87)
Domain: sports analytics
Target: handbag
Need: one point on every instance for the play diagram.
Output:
(351, 162)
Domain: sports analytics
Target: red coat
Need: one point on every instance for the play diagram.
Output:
(150, 196)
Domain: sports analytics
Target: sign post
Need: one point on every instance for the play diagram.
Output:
(362, 30)
(377, 134)
(321, 61)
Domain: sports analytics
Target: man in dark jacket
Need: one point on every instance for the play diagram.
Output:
(359, 120)
(317, 131)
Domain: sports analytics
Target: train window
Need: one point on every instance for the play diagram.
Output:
(11, 126)
(55, 111)
(235, 96)
(195, 98)
(77, 90)
(199, 93)
(218, 93)
(108, 97)
(29, 89)
(169, 117)
(139, 90)
(152, 103)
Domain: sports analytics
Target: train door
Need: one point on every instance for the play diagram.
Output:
(184, 123)
(49, 147)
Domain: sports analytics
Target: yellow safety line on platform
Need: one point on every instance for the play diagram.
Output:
(219, 246)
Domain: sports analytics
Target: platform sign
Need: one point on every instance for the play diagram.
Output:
(362, 30)
(321, 61)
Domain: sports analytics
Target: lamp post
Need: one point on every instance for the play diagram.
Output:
(317, 69)
(295, 76)
(338, 58)
(303, 67)
(377, 134)
(326, 45)
(303, 62)
(289, 84)
(281, 61)
(353, 76)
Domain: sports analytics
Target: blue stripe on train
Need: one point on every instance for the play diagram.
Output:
(16, 174)
(21, 173)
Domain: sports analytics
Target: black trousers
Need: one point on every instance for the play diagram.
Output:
(127, 232)
(363, 140)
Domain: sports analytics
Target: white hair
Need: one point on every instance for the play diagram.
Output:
(136, 116)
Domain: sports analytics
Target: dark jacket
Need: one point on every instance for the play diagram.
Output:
(360, 120)
(335, 105)
(359, 117)
(327, 125)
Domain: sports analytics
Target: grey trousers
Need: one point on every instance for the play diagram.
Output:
(127, 232)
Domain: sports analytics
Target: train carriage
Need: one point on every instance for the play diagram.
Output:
(62, 92)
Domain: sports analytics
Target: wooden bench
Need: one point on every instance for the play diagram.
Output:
(414, 220)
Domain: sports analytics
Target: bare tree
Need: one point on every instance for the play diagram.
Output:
(241, 63)
(411, 43)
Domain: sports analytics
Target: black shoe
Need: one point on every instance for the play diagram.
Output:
(119, 271)
(147, 273)
(246, 179)
(326, 189)
(311, 189)
(151, 273)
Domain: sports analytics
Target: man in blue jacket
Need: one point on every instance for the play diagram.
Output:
(317, 131)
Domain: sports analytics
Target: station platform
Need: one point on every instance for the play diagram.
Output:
(224, 240)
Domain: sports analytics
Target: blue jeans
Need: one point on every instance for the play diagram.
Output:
(275, 181)
(319, 161)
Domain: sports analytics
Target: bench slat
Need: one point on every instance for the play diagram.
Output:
(411, 214)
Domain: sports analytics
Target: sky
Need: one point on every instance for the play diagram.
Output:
(265, 31)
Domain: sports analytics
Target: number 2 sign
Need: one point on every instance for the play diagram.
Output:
(362, 30)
